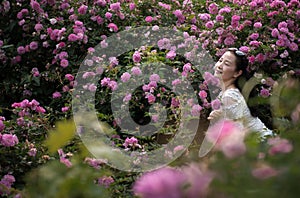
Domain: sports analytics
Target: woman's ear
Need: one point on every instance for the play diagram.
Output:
(238, 73)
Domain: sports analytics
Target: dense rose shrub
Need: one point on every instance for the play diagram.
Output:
(267, 31)
(21, 145)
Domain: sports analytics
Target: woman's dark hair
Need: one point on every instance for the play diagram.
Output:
(241, 62)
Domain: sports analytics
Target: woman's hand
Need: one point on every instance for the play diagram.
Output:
(215, 114)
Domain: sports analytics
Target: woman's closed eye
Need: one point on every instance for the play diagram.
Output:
(227, 63)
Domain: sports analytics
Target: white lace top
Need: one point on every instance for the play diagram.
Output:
(235, 108)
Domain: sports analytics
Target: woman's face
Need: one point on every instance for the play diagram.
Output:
(226, 67)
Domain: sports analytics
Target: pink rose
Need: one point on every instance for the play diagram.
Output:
(136, 57)
(260, 58)
(257, 25)
(9, 140)
(202, 94)
(216, 104)
(219, 18)
(136, 71)
(125, 77)
(131, 142)
(229, 40)
(115, 6)
(72, 37)
(264, 93)
(209, 25)
(280, 43)
(245, 49)
(235, 18)
(155, 118)
(127, 98)
(293, 46)
(21, 50)
(64, 63)
(33, 45)
(38, 27)
(113, 27)
(113, 85)
(108, 15)
(196, 109)
(32, 152)
(2, 126)
(227, 137)
(132, 6)
(82, 9)
(64, 109)
(149, 19)
(213, 8)
(264, 172)
(171, 54)
(151, 98)
(279, 145)
(254, 36)
(175, 102)
(92, 87)
(154, 77)
(56, 95)
(40, 109)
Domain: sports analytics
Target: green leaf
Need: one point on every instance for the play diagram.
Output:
(36, 81)
(64, 131)
(7, 46)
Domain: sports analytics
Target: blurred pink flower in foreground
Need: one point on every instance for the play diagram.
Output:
(198, 179)
(264, 172)
(162, 183)
(189, 181)
(228, 137)
(279, 145)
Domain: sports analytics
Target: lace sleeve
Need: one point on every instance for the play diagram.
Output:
(232, 104)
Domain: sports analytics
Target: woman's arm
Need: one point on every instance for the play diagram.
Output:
(215, 114)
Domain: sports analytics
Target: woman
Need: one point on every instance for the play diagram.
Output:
(230, 68)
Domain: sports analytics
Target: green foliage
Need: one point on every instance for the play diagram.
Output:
(64, 132)
(77, 181)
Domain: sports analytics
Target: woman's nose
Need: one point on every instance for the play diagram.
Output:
(218, 66)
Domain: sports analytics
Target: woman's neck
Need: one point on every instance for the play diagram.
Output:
(228, 85)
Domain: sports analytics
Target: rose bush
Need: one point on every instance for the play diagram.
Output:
(21, 143)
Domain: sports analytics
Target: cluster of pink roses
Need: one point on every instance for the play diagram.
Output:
(233, 24)
(8, 140)
(7, 182)
(189, 181)
(131, 143)
(25, 109)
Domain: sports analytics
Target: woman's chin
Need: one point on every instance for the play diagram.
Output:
(218, 75)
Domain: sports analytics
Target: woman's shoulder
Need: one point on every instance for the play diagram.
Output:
(232, 93)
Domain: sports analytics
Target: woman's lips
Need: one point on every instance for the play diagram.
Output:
(218, 72)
